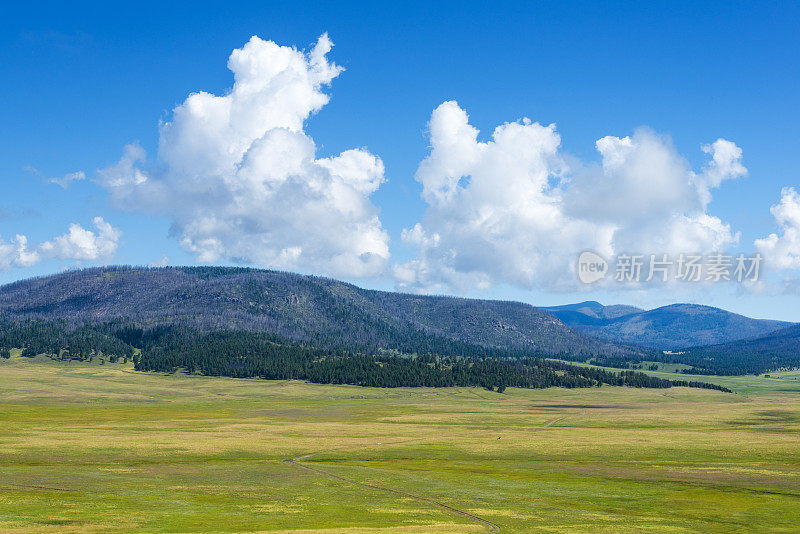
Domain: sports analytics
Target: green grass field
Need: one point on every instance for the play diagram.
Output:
(776, 382)
(100, 448)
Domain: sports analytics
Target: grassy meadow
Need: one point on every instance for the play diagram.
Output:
(775, 382)
(100, 448)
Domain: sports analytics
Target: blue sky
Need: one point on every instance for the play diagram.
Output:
(81, 82)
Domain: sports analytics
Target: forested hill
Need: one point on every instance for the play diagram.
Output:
(779, 349)
(319, 311)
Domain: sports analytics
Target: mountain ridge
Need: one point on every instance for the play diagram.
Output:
(297, 307)
(670, 327)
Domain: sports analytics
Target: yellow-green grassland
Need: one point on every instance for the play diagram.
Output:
(100, 448)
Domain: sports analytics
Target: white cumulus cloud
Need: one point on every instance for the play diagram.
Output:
(783, 251)
(515, 209)
(240, 179)
(82, 244)
(77, 244)
(15, 253)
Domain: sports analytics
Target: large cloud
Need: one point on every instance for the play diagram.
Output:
(240, 179)
(783, 251)
(77, 244)
(516, 210)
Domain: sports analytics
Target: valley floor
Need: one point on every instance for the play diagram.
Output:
(91, 448)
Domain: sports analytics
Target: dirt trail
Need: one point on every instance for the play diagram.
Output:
(493, 527)
(554, 421)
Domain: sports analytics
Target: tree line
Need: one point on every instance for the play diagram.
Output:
(245, 354)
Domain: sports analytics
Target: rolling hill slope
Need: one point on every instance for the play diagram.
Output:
(325, 312)
(779, 349)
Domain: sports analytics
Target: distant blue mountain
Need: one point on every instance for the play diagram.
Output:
(671, 327)
(592, 309)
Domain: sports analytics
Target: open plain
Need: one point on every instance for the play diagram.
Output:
(97, 448)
